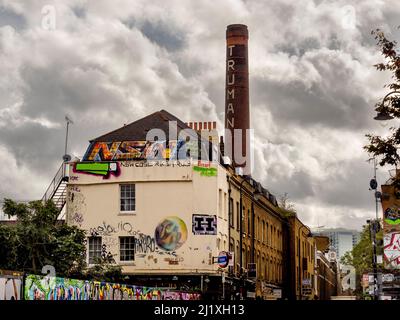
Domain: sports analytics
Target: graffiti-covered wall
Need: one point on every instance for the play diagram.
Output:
(166, 222)
(391, 226)
(56, 288)
(10, 286)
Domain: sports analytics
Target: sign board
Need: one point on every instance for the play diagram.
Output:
(379, 258)
(388, 277)
(223, 259)
(277, 293)
(306, 290)
(251, 294)
(231, 259)
(306, 282)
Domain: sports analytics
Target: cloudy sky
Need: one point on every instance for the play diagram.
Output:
(107, 63)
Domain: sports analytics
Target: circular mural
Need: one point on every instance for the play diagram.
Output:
(171, 233)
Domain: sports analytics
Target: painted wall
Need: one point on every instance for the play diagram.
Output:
(10, 287)
(56, 288)
(175, 224)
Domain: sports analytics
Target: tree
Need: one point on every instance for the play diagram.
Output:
(361, 255)
(37, 239)
(386, 148)
(286, 207)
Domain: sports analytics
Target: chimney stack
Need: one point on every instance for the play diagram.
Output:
(237, 110)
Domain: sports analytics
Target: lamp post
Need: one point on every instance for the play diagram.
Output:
(244, 178)
(382, 114)
(373, 229)
(301, 272)
(67, 157)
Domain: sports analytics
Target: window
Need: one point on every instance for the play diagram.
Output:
(237, 216)
(127, 248)
(127, 197)
(258, 229)
(248, 222)
(220, 208)
(94, 249)
(231, 218)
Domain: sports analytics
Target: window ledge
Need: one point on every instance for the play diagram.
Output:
(127, 213)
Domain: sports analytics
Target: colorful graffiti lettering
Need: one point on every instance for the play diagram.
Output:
(391, 250)
(392, 216)
(141, 150)
(171, 233)
(204, 224)
(56, 288)
(104, 169)
(206, 172)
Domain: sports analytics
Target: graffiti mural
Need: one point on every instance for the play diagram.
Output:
(391, 242)
(171, 233)
(104, 169)
(56, 288)
(143, 150)
(392, 216)
(206, 172)
(391, 226)
(204, 224)
(10, 287)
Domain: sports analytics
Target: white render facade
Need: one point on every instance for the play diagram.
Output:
(152, 217)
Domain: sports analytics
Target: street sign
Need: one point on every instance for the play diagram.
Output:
(277, 293)
(388, 277)
(306, 282)
(306, 290)
(223, 259)
(231, 255)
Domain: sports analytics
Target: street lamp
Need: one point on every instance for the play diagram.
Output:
(66, 156)
(382, 114)
(374, 227)
(301, 272)
(244, 178)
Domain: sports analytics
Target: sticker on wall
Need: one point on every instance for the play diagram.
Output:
(171, 233)
(98, 169)
(206, 172)
(392, 216)
(204, 224)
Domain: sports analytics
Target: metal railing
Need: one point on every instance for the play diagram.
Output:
(55, 183)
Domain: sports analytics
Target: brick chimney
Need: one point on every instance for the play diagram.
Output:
(237, 110)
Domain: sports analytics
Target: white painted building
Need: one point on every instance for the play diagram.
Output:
(152, 217)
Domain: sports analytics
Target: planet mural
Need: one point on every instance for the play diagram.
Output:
(171, 233)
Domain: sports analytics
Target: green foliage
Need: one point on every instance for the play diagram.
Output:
(386, 148)
(361, 255)
(104, 270)
(38, 239)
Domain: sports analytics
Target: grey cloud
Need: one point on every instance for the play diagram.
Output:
(110, 64)
(11, 18)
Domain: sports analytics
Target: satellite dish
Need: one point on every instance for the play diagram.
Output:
(66, 157)
(373, 184)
